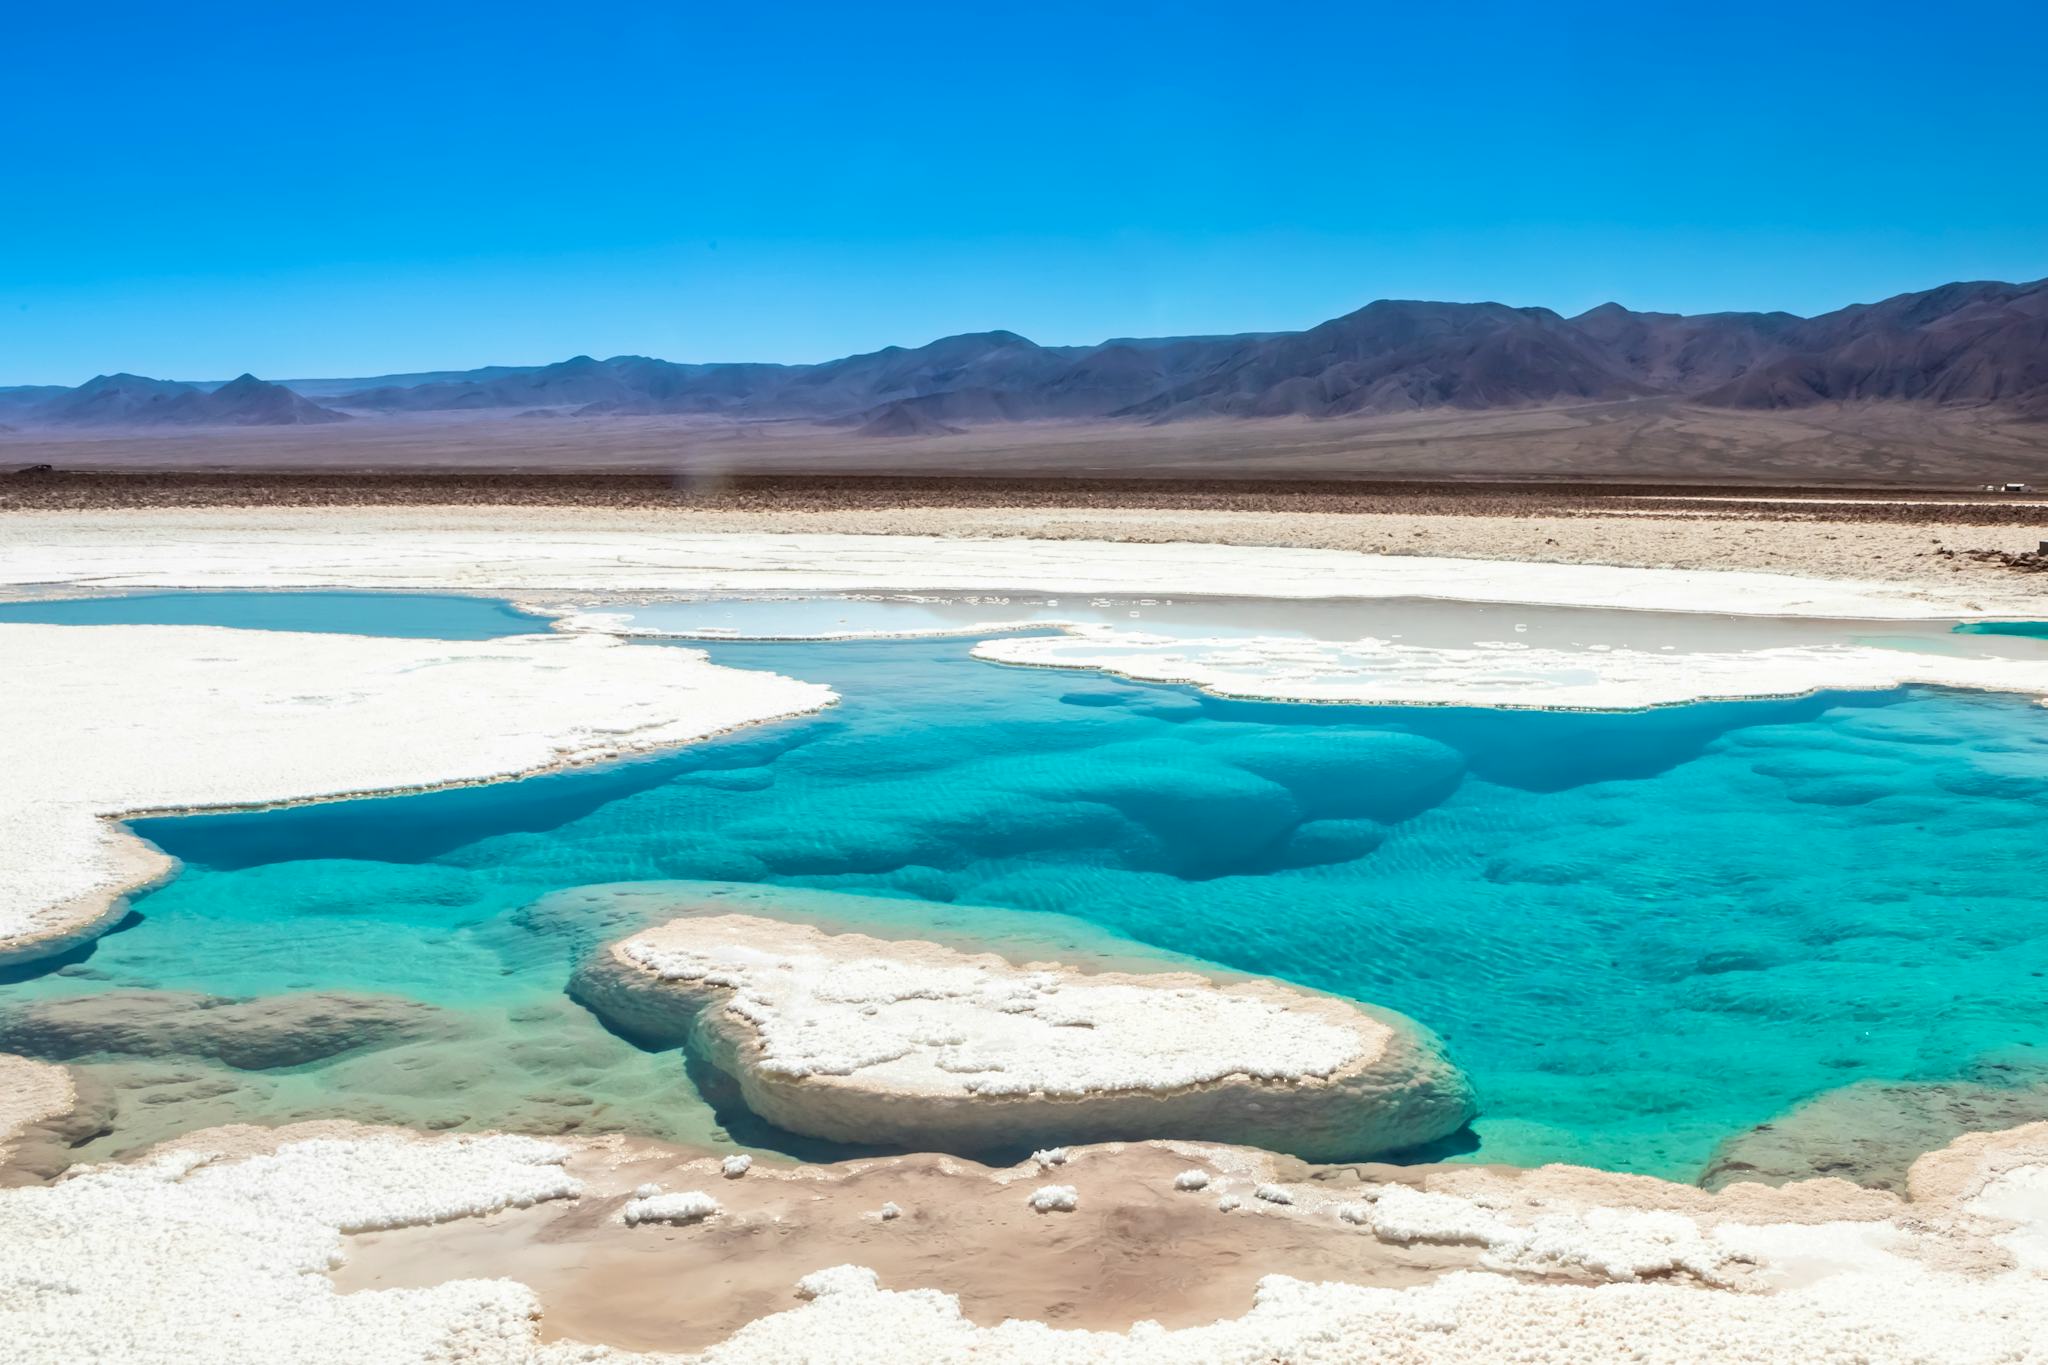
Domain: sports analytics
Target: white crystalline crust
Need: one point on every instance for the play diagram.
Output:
(102, 721)
(30, 1092)
(1385, 672)
(952, 1023)
(683, 1206)
(853, 1038)
(1055, 1199)
(282, 550)
(184, 1258)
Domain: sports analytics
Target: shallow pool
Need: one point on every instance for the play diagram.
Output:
(1640, 933)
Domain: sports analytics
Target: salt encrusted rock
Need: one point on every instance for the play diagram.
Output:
(1055, 1199)
(1052, 1156)
(686, 1206)
(889, 1212)
(1229, 1203)
(1273, 1194)
(102, 721)
(1191, 1180)
(858, 1039)
(733, 1167)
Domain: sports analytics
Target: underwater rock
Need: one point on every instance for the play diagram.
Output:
(861, 1040)
(259, 1034)
(1871, 1132)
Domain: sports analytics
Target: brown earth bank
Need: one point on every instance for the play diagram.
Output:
(65, 489)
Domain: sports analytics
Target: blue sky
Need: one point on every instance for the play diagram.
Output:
(195, 190)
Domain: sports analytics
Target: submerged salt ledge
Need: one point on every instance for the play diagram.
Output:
(855, 1039)
(1385, 672)
(104, 721)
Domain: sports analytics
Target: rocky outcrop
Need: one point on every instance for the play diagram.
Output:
(860, 1040)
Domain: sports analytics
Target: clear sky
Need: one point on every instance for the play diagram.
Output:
(196, 189)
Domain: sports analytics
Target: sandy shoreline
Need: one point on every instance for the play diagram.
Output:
(338, 1242)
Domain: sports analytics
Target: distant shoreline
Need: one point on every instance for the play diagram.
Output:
(77, 489)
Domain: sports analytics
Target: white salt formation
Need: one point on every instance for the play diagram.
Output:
(857, 1039)
(686, 1206)
(1055, 1199)
(733, 1167)
(105, 721)
(1503, 673)
(1191, 1180)
(188, 1258)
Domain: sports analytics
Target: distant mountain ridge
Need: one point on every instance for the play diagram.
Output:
(132, 400)
(1981, 342)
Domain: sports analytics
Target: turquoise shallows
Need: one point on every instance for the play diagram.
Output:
(409, 615)
(2034, 630)
(1639, 933)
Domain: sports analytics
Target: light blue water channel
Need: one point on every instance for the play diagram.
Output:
(1639, 933)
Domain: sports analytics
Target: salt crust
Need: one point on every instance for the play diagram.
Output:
(30, 1092)
(103, 721)
(853, 1038)
(213, 1252)
(1385, 672)
(190, 1258)
(281, 550)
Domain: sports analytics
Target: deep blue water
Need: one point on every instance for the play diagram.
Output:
(1639, 933)
(428, 616)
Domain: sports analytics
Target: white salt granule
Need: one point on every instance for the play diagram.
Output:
(690, 1206)
(1191, 1180)
(736, 1166)
(1055, 1199)
(1228, 1202)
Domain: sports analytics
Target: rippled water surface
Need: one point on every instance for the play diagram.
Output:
(1639, 933)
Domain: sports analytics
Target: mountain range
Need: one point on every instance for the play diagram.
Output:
(132, 400)
(1981, 343)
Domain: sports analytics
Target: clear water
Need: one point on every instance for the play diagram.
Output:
(413, 616)
(2033, 630)
(1639, 933)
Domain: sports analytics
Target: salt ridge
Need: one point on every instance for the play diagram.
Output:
(1504, 674)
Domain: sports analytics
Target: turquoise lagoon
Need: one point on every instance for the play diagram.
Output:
(1641, 934)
